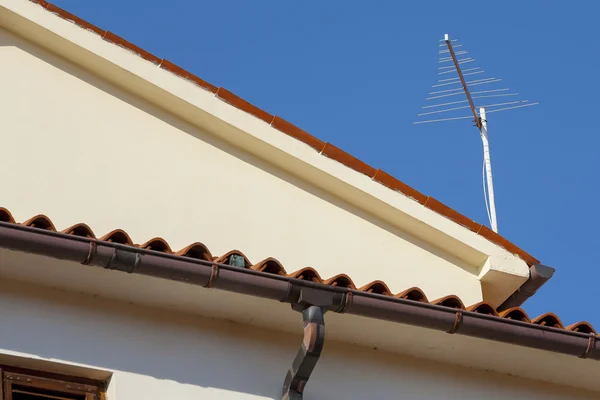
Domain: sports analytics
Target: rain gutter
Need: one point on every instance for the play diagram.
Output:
(538, 275)
(302, 295)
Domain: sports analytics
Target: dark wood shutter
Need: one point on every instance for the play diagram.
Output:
(17, 384)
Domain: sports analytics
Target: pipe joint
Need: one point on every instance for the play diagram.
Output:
(303, 295)
(124, 260)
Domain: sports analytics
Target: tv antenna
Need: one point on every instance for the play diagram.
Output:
(455, 65)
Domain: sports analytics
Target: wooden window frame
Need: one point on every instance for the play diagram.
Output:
(10, 376)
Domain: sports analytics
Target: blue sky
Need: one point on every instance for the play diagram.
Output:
(356, 73)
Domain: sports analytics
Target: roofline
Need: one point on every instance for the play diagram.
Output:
(327, 149)
(479, 322)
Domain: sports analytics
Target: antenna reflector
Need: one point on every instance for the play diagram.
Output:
(513, 107)
(446, 104)
(443, 119)
(490, 91)
(449, 62)
(496, 95)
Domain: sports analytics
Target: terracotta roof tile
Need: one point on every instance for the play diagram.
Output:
(582, 327)
(454, 215)
(227, 258)
(111, 37)
(169, 66)
(299, 134)
(117, 236)
(341, 280)
(73, 18)
(272, 266)
(79, 230)
(6, 216)
(515, 313)
(387, 180)
(307, 274)
(548, 319)
(348, 160)
(196, 250)
(414, 293)
(483, 308)
(377, 287)
(40, 221)
(451, 301)
(156, 244)
(243, 105)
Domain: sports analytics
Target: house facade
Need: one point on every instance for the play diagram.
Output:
(161, 237)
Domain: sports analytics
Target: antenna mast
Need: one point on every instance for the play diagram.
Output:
(487, 162)
(481, 123)
(449, 55)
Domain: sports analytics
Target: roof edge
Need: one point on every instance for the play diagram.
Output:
(479, 322)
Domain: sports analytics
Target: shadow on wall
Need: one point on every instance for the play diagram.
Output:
(164, 350)
(7, 39)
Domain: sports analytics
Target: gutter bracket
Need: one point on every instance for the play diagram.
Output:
(308, 355)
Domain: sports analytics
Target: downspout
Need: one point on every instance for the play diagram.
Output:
(308, 355)
(538, 275)
(301, 294)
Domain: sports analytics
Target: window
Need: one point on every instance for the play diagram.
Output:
(20, 384)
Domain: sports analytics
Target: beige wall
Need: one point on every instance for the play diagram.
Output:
(81, 150)
(157, 355)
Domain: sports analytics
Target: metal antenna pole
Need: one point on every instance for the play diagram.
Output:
(488, 169)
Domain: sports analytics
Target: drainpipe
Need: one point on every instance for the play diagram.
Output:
(538, 275)
(308, 355)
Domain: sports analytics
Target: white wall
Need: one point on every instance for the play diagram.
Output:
(80, 150)
(156, 355)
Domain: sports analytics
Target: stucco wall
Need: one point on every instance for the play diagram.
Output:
(155, 355)
(81, 150)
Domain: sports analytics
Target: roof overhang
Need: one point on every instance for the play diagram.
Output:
(476, 337)
(480, 250)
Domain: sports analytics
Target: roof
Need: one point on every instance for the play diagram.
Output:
(270, 267)
(327, 149)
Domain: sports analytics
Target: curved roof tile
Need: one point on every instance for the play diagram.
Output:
(414, 293)
(80, 230)
(196, 250)
(271, 266)
(377, 287)
(156, 244)
(40, 221)
(117, 236)
(548, 319)
(515, 313)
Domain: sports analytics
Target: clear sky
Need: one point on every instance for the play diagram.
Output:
(355, 73)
